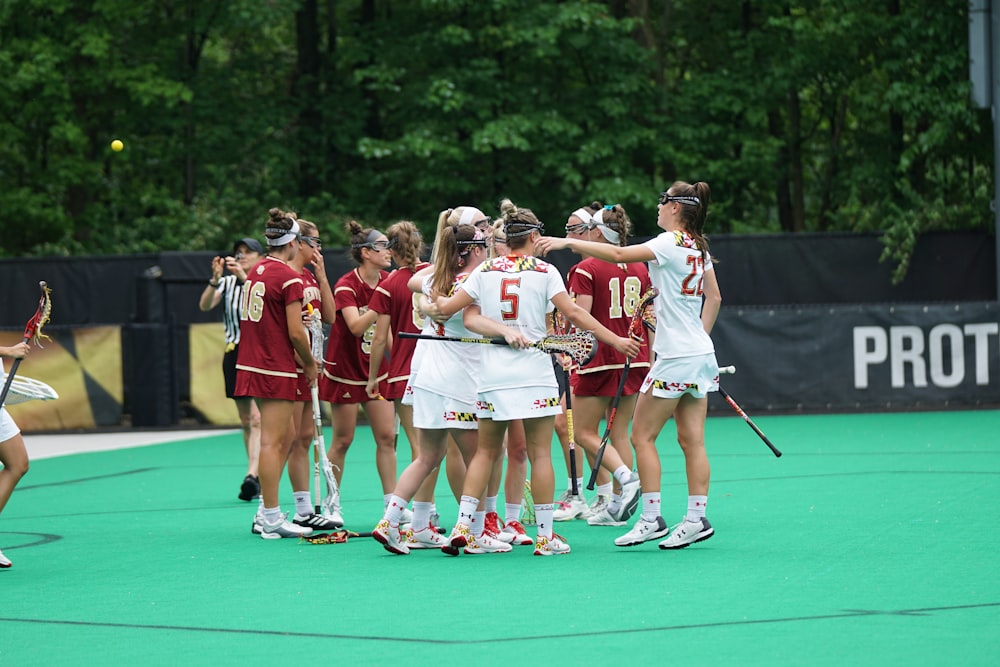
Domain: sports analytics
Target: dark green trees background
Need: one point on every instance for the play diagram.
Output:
(802, 116)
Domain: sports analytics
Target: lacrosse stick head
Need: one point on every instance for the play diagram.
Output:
(580, 346)
(27, 389)
(315, 333)
(33, 329)
(643, 313)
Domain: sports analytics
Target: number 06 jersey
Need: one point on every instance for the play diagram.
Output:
(678, 273)
(515, 291)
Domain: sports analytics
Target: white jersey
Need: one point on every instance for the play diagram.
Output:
(515, 291)
(678, 271)
(447, 368)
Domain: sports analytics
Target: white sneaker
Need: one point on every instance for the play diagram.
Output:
(551, 546)
(600, 502)
(390, 537)
(569, 509)
(631, 494)
(513, 533)
(460, 537)
(282, 528)
(604, 518)
(428, 538)
(643, 531)
(316, 521)
(687, 533)
(486, 544)
(4, 561)
(335, 516)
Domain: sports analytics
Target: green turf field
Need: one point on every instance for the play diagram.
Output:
(873, 541)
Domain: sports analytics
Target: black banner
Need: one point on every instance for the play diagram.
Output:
(861, 357)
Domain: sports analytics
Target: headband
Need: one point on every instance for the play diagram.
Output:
(369, 240)
(288, 235)
(611, 235)
(468, 214)
(585, 216)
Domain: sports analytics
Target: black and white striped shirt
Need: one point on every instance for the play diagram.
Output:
(231, 290)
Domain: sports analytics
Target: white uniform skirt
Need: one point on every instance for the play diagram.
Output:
(434, 411)
(8, 429)
(519, 403)
(672, 378)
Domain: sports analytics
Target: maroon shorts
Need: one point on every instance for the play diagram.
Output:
(394, 390)
(304, 392)
(258, 385)
(605, 383)
(343, 392)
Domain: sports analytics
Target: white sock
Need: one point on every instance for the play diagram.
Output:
(623, 474)
(421, 516)
(543, 519)
(302, 505)
(651, 506)
(605, 489)
(512, 512)
(579, 486)
(490, 503)
(467, 509)
(394, 509)
(478, 522)
(615, 503)
(696, 507)
(272, 514)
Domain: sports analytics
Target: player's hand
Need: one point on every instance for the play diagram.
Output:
(516, 340)
(372, 389)
(548, 243)
(628, 346)
(19, 351)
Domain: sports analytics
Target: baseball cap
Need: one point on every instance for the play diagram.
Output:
(253, 244)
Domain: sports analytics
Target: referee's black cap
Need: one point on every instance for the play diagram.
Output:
(252, 244)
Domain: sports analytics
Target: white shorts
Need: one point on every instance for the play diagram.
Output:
(672, 378)
(8, 429)
(434, 411)
(521, 403)
(407, 398)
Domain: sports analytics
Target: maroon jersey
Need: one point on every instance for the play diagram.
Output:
(266, 362)
(346, 354)
(394, 298)
(616, 290)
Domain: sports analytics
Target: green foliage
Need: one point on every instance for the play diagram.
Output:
(812, 115)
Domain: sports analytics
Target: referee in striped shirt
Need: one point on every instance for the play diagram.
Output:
(226, 289)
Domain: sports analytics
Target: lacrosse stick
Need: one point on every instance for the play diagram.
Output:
(32, 331)
(561, 326)
(581, 346)
(635, 331)
(327, 505)
(26, 389)
(735, 406)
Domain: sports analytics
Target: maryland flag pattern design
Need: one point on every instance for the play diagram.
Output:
(663, 385)
(452, 416)
(516, 264)
(542, 403)
(685, 240)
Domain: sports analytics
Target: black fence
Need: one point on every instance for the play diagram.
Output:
(812, 321)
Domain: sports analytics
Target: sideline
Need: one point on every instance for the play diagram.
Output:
(45, 446)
